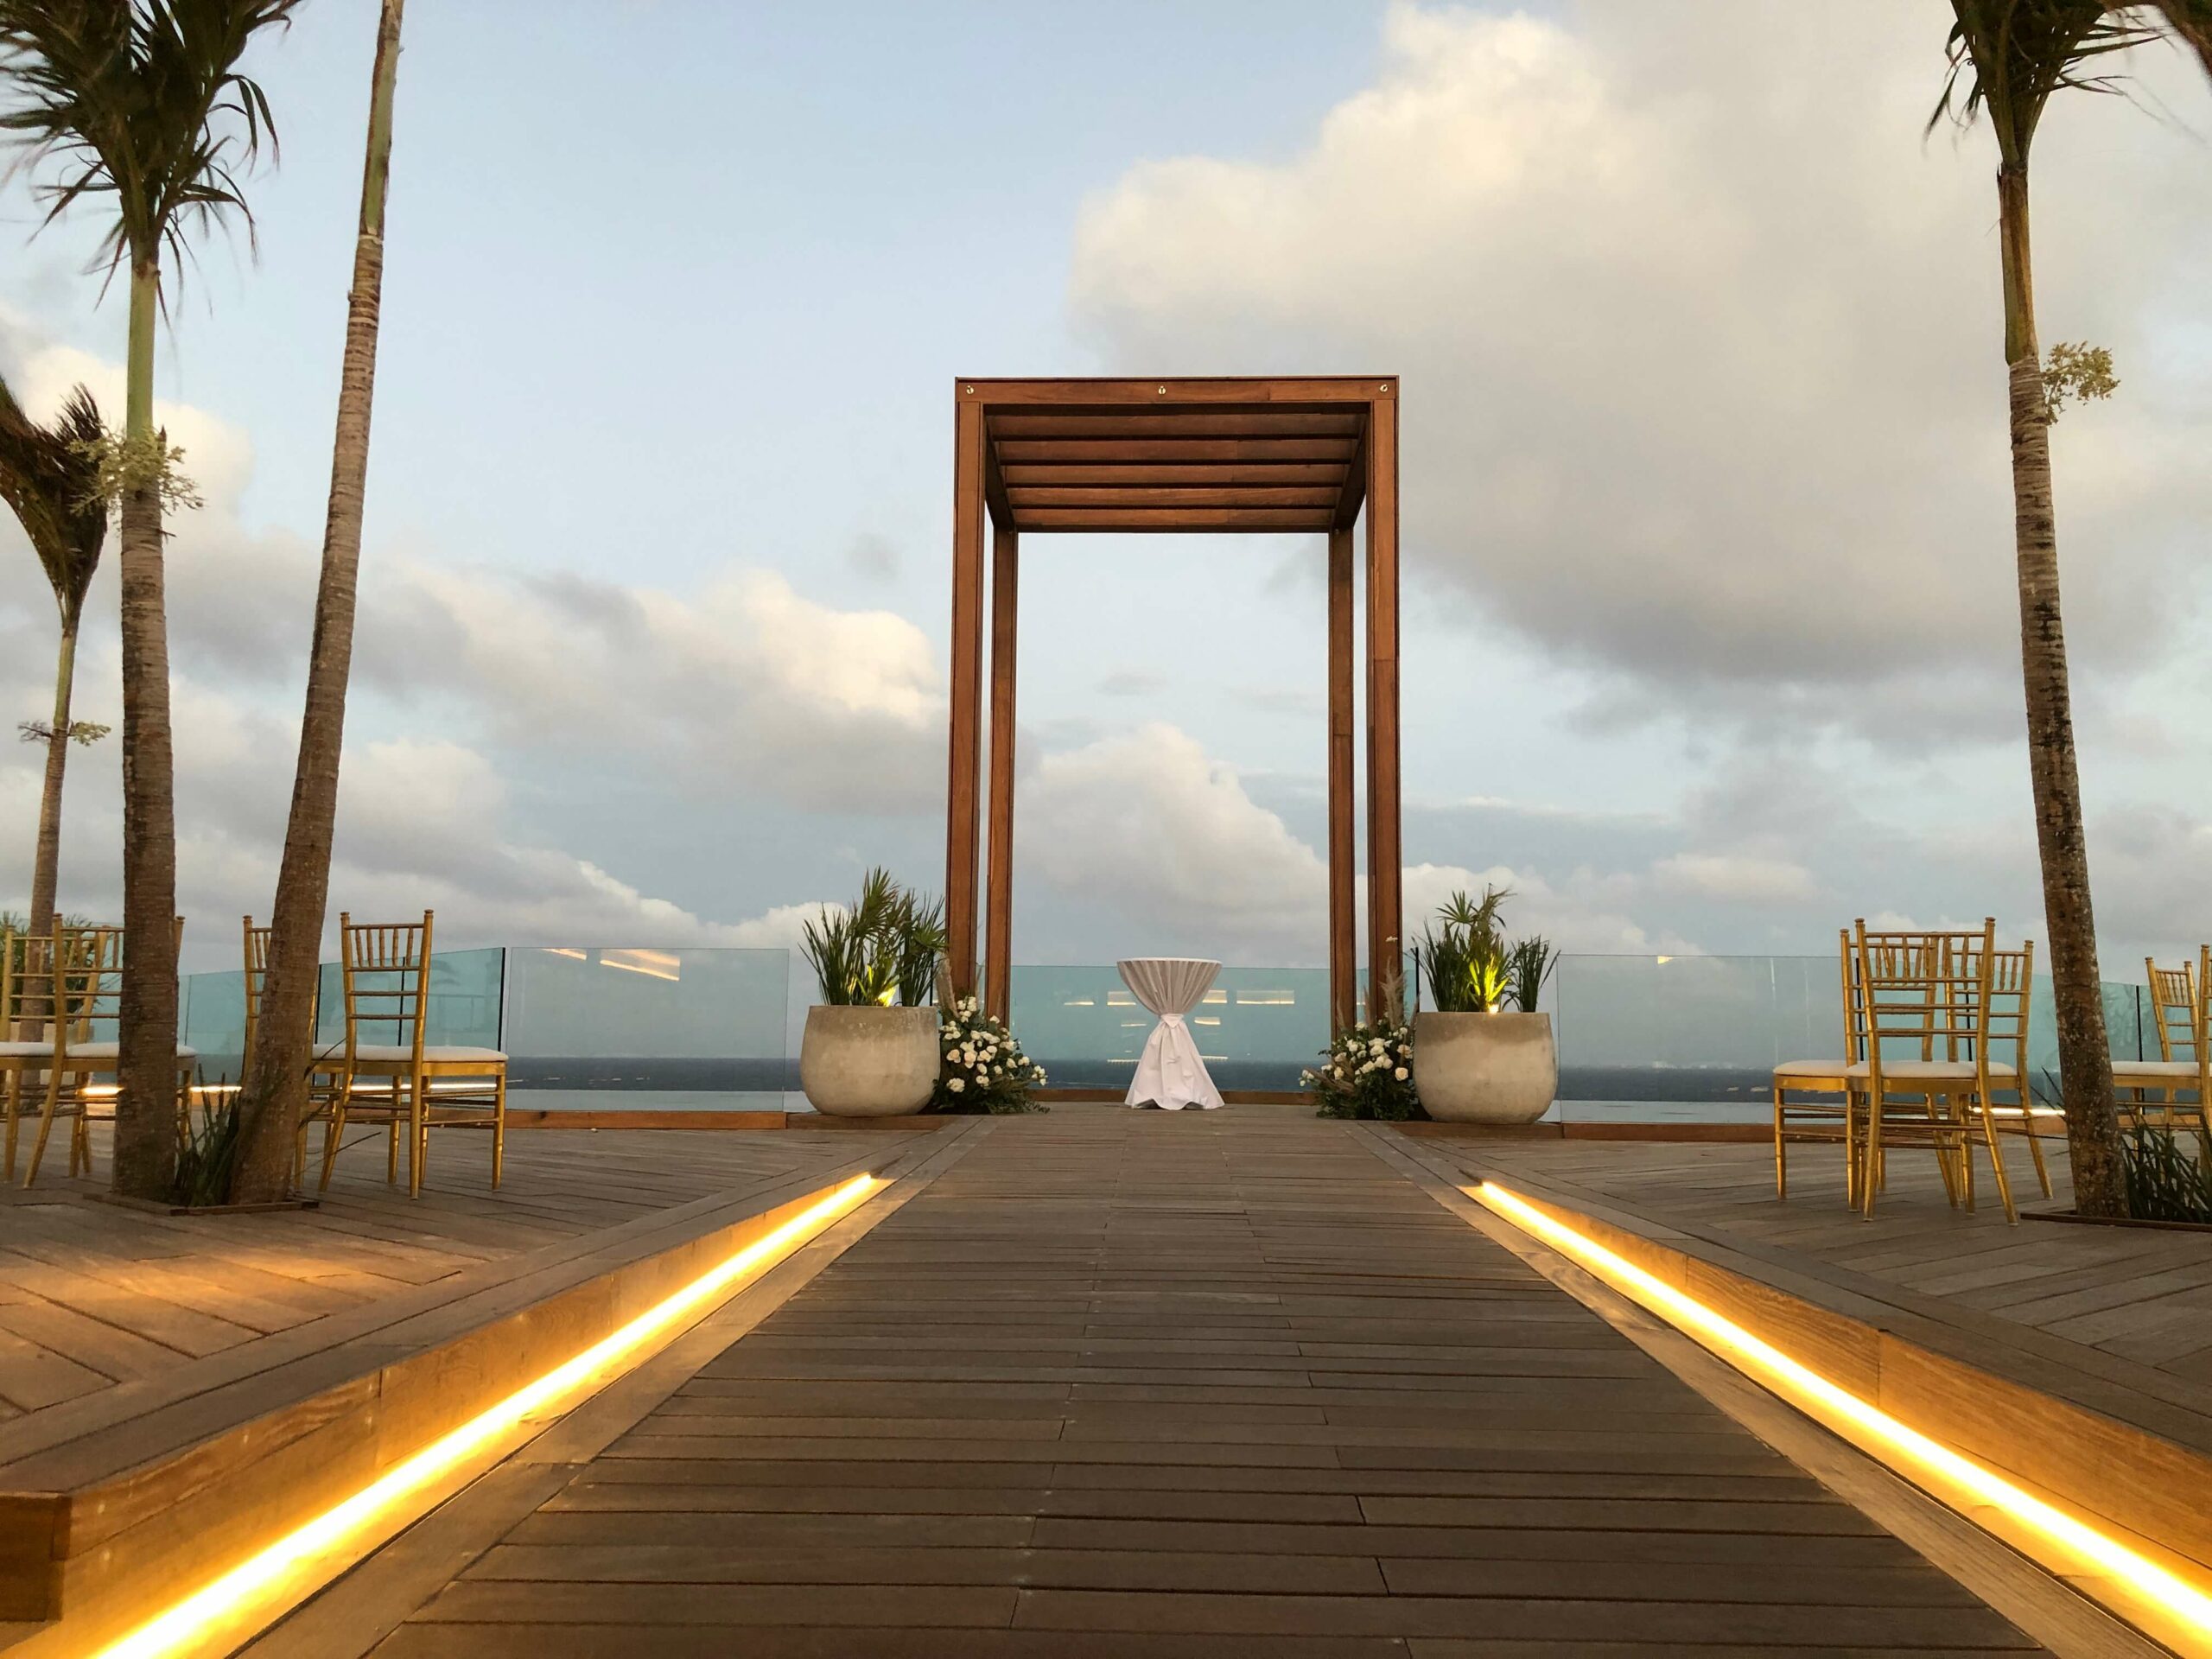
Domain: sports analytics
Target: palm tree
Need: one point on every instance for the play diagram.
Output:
(50, 476)
(275, 1095)
(141, 105)
(2012, 56)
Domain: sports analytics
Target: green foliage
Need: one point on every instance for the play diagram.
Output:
(1528, 963)
(2079, 371)
(210, 1150)
(2166, 1180)
(1472, 968)
(48, 478)
(984, 1069)
(881, 949)
(139, 104)
(1367, 1073)
(119, 463)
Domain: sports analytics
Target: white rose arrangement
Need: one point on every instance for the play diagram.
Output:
(984, 1069)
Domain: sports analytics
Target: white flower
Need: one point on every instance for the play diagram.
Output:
(1400, 1074)
(955, 1085)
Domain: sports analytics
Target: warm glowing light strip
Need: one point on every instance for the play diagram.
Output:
(2072, 1541)
(176, 1630)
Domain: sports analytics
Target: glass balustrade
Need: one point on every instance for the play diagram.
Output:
(1640, 1038)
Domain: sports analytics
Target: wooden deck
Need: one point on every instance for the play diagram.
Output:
(97, 1300)
(1136, 1385)
(2137, 1294)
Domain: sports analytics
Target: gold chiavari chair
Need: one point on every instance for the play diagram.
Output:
(26, 1014)
(325, 1071)
(1829, 1120)
(83, 988)
(2178, 996)
(1928, 991)
(2005, 1034)
(385, 971)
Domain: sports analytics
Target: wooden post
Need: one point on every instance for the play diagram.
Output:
(966, 740)
(1343, 901)
(1385, 853)
(998, 893)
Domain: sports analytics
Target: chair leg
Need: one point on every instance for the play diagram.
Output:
(498, 1126)
(418, 1137)
(1997, 1160)
(1780, 1152)
(45, 1126)
(14, 1115)
(1870, 1180)
(2035, 1145)
(392, 1141)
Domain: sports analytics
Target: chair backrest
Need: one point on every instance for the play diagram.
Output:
(2175, 1005)
(1925, 992)
(26, 982)
(2004, 1026)
(1855, 1004)
(87, 982)
(386, 970)
(256, 973)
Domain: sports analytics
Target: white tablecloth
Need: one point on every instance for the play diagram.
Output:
(1170, 1074)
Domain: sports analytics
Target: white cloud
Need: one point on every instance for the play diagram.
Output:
(1699, 345)
(1738, 878)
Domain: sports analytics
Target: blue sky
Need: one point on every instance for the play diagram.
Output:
(1707, 591)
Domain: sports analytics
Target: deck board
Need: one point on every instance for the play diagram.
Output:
(1149, 1385)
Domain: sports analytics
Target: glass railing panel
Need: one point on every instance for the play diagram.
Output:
(1257, 1028)
(211, 1019)
(690, 1026)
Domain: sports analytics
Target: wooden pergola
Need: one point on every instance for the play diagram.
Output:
(1235, 455)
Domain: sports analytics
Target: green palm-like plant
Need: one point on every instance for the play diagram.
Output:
(1467, 964)
(139, 111)
(49, 475)
(2008, 58)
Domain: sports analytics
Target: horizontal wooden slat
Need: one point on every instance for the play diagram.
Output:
(1323, 389)
(1177, 473)
(1124, 450)
(1166, 496)
(1144, 520)
(1180, 423)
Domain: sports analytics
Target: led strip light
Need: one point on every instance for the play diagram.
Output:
(2057, 1540)
(258, 1578)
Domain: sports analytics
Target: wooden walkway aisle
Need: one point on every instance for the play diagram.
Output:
(1124, 1383)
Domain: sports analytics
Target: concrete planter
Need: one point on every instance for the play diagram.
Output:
(1485, 1068)
(868, 1061)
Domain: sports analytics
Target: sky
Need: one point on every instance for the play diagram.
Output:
(1711, 639)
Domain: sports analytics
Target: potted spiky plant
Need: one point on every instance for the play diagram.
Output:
(1483, 1052)
(870, 1049)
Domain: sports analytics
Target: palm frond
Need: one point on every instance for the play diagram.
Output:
(139, 105)
(2008, 57)
(49, 475)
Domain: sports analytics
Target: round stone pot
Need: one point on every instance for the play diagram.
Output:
(868, 1061)
(1485, 1068)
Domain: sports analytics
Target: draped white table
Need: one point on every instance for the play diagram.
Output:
(1170, 1074)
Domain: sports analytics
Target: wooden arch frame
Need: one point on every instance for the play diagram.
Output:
(1238, 455)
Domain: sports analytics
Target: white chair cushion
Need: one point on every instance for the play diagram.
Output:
(80, 1050)
(1831, 1068)
(396, 1053)
(1925, 1070)
(2161, 1070)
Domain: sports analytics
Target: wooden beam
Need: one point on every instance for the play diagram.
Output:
(1385, 850)
(1209, 495)
(1178, 423)
(1343, 901)
(967, 713)
(997, 899)
(1124, 450)
(1144, 521)
(1178, 474)
(1081, 394)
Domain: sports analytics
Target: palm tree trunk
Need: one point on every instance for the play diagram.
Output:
(46, 867)
(2084, 1054)
(275, 1092)
(145, 1122)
